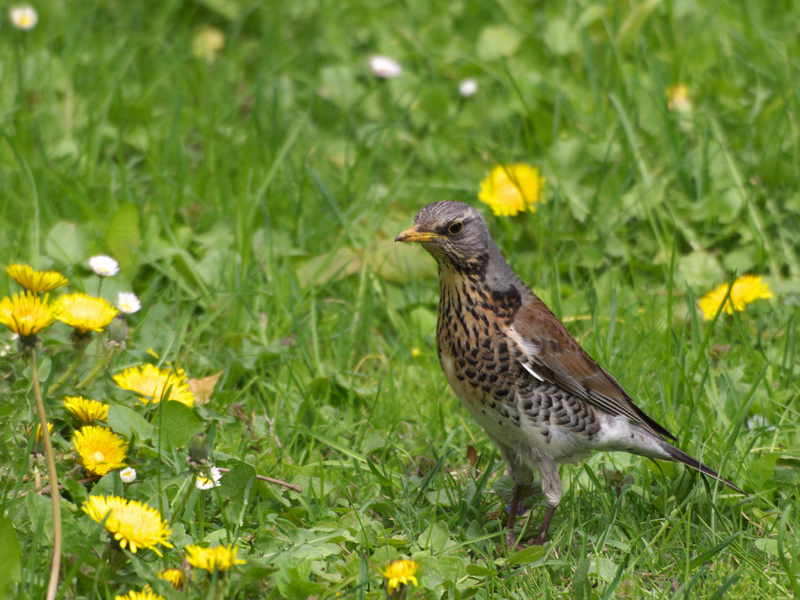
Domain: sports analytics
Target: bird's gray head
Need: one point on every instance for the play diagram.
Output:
(455, 234)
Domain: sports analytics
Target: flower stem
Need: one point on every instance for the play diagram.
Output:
(55, 495)
(70, 371)
(101, 364)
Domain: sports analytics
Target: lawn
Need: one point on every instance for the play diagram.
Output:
(249, 172)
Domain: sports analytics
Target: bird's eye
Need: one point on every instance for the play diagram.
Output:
(455, 228)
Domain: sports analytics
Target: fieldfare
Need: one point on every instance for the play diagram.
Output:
(518, 371)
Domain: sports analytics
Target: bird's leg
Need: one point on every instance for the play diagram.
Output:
(551, 486)
(548, 516)
(512, 517)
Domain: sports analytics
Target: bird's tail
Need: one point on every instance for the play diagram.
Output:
(689, 461)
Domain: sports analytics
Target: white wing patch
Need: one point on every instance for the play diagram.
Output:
(528, 348)
(531, 371)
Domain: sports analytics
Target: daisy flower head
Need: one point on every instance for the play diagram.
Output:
(468, 87)
(512, 189)
(151, 383)
(86, 410)
(99, 449)
(746, 289)
(384, 67)
(128, 303)
(24, 17)
(206, 483)
(26, 313)
(35, 281)
(220, 558)
(84, 313)
(399, 573)
(132, 524)
(174, 576)
(128, 475)
(104, 266)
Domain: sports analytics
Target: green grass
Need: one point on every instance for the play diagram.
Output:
(252, 203)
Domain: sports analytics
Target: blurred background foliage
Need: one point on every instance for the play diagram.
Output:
(250, 173)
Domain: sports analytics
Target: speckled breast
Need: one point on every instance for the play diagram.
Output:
(485, 369)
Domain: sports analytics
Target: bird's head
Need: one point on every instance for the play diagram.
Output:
(454, 233)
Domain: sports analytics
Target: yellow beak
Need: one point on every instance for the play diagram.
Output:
(413, 234)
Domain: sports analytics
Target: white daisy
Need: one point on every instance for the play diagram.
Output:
(128, 474)
(128, 303)
(24, 17)
(468, 87)
(105, 266)
(204, 483)
(385, 67)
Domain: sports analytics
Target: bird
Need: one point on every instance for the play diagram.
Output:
(538, 395)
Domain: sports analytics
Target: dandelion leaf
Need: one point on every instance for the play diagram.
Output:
(124, 236)
(9, 557)
(178, 424)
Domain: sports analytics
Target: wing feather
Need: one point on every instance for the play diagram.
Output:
(554, 355)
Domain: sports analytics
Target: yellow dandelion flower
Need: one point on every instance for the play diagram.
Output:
(39, 431)
(745, 290)
(512, 189)
(147, 593)
(174, 576)
(26, 313)
(207, 43)
(399, 572)
(86, 410)
(35, 281)
(678, 99)
(133, 524)
(220, 558)
(100, 450)
(151, 383)
(416, 353)
(84, 313)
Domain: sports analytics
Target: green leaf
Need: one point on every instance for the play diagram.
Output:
(230, 9)
(128, 422)
(435, 101)
(40, 511)
(124, 236)
(527, 555)
(603, 568)
(435, 537)
(9, 557)
(561, 37)
(498, 41)
(178, 424)
(633, 24)
(699, 560)
(45, 367)
(294, 580)
(768, 545)
(234, 485)
(66, 242)
(339, 85)
(479, 571)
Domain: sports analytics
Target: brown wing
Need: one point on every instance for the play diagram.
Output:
(556, 356)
